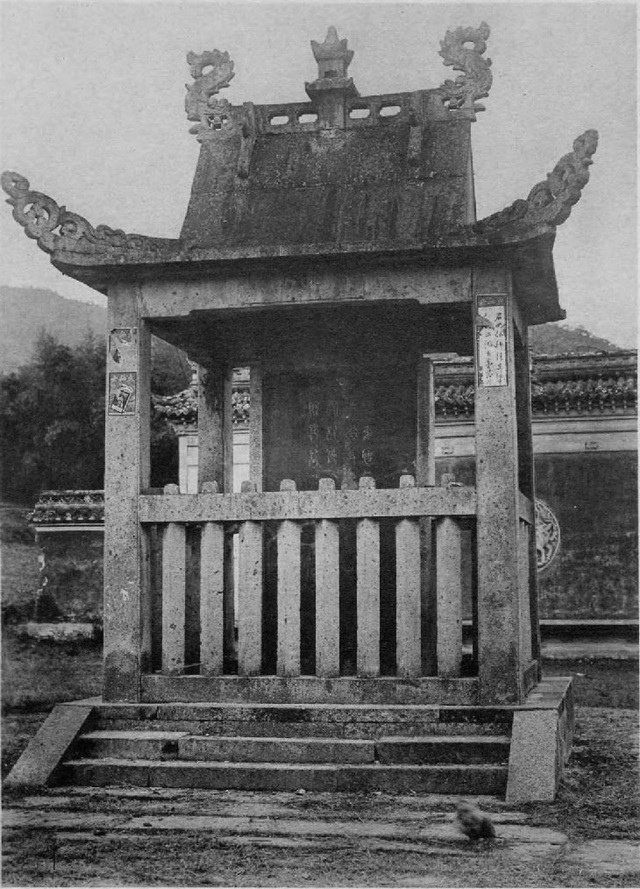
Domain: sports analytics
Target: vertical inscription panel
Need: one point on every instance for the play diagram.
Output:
(491, 341)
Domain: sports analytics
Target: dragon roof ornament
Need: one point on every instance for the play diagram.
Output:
(53, 227)
(476, 78)
(212, 71)
(550, 201)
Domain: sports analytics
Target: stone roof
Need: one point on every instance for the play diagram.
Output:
(340, 174)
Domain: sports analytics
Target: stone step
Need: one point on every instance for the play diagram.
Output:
(453, 779)
(138, 744)
(271, 750)
(302, 720)
(206, 748)
(444, 749)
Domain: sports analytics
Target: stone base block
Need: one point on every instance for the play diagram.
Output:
(541, 739)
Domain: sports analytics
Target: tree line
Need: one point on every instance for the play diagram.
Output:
(52, 419)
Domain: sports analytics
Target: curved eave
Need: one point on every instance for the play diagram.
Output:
(527, 253)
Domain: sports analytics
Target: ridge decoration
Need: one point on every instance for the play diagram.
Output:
(475, 81)
(212, 71)
(54, 227)
(549, 201)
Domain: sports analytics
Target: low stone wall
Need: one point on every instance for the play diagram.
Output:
(71, 576)
(69, 529)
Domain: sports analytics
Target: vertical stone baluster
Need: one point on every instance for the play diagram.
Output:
(250, 594)
(368, 590)
(173, 593)
(408, 598)
(288, 593)
(449, 596)
(426, 477)
(327, 592)
(524, 531)
(211, 593)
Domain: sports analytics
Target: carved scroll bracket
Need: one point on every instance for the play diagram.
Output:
(54, 227)
(476, 78)
(549, 201)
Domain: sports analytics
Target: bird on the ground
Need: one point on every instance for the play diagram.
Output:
(474, 823)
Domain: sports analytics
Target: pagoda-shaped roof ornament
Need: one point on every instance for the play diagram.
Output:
(333, 58)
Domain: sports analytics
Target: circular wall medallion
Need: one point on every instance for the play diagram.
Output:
(547, 534)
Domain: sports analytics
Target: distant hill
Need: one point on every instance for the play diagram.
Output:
(553, 339)
(25, 312)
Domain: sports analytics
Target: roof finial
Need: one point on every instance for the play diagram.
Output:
(332, 56)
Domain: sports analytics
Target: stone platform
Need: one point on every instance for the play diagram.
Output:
(515, 752)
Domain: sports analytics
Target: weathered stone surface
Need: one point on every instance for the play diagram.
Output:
(239, 749)
(278, 776)
(606, 857)
(46, 749)
(129, 744)
(534, 769)
(541, 741)
(443, 749)
(71, 575)
(58, 632)
(305, 689)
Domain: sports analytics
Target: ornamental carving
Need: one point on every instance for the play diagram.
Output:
(56, 228)
(212, 71)
(476, 78)
(549, 201)
(72, 507)
(547, 535)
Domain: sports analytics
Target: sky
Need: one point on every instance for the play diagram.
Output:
(92, 114)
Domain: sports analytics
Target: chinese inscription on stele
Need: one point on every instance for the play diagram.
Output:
(491, 341)
(338, 440)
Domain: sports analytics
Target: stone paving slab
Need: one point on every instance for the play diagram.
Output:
(444, 832)
(611, 857)
(233, 803)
